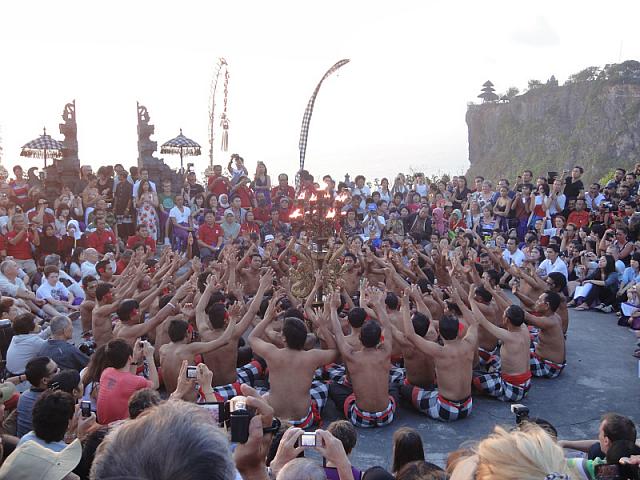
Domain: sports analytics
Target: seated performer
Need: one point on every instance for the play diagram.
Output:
(513, 381)
(368, 403)
(454, 363)
(548, 353)
(211, 318)
(294, 395)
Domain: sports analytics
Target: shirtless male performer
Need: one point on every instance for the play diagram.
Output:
(419, 368)
(548, 357)
(89, 285)
(351, 273)
(107, 304)
(210, 320)
(173, 354)
(294, 395)
(512, 382)
(368, 404)
(488, 356)
(454, 363)
(250, 277)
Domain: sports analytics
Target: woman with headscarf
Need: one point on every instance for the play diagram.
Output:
(71, 240)
(439, 223)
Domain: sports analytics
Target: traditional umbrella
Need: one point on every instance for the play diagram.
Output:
(181, 145)
(42, 147)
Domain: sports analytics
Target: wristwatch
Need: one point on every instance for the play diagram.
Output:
(275, 426)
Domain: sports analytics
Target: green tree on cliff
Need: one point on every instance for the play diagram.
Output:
(534, 84)
(587, 75)
(512, 92)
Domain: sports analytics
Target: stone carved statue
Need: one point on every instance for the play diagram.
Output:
(158, 170)
(66, 170)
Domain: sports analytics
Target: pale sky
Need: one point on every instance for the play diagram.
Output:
(399, 104)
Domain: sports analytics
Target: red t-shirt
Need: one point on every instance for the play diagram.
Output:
(47, 218)
(246, 196)
(579, 219)
(22, 249)
(98, 240)
(247, 228)
(115, 390)
(218, 185)
(283, 214)
(149, 242)
(210, 235)
(277, 192)
(262, 214)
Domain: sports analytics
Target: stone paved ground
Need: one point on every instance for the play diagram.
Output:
(601, 376)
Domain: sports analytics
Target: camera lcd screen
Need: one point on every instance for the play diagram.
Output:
(215, 409)
(308, 440)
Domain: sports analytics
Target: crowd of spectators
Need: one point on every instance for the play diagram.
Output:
(145, 323)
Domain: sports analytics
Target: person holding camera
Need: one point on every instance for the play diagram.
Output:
(118, 381)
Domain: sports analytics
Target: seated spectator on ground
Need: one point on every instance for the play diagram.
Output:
(52, 413)
(27, 341)
(142, 236)
(55, 293)
(101, 237)
(58, 348)
(407, 448)
(347, 434)
(38, 373)
(117, 382)
(21, 243)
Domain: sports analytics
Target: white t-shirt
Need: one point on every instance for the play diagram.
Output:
(371, 228)
(559, 266)
(57, 292)
(7, 287)
(518, 257)
(74, 288)
(423, 189)
(88, 268)
(181, 217)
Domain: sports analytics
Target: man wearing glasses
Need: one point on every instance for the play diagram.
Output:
(38, 372)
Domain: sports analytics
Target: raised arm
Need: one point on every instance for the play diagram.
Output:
(377, 296)
(425, 346)
(196, 348)
(202, 319)
(496, 331)
(260, 346)
(266, 282)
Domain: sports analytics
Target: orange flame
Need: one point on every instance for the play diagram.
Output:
(301, 196)
(313, 198)
(342, 198)
(331, 213)
(295, 214)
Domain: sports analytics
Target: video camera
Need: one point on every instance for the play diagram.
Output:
(521, 412)
(233, 415)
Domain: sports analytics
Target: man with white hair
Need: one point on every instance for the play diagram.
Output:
(11, 285)
(58, 348)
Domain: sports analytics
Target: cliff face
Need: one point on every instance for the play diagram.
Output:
(595, 124)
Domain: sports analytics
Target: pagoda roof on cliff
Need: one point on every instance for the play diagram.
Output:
(487, 84)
